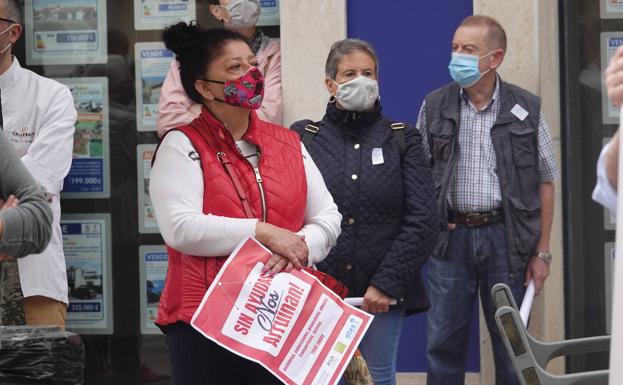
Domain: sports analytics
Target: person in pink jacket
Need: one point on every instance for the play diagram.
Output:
(175, 107)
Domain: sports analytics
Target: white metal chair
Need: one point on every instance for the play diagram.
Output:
(530, 356)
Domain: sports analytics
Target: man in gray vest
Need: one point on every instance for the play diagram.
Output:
(493, 165)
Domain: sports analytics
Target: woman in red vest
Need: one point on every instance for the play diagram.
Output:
(226, 176)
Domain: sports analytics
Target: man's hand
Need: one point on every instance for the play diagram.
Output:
(614, 78)
(611, 161)
(375, 301)
(11, 202)
(538, 270)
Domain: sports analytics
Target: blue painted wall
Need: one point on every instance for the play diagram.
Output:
(412, 39)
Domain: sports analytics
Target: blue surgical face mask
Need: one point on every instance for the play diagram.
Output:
(464, 68)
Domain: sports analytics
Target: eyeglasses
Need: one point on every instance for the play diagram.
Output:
(8, 20)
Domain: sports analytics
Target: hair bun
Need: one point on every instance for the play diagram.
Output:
(179, 37)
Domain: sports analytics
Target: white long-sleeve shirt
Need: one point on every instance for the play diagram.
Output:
(176, 190)
(604, 193)
(39, 118)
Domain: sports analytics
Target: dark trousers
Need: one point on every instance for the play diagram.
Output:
(476, 259)
(195, 360)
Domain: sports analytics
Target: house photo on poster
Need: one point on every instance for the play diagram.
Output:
(147, 218)
(89, 175)
(65, 32)
(87, 245)
(153, 263)
(157, 14)
(152, 62)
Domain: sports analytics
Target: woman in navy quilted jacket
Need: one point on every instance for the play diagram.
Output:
(376, 171)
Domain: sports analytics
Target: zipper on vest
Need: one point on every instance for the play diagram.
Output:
(256, 170)
(260, 184)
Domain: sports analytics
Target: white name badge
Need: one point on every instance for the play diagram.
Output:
(519, 112)
(377, 156)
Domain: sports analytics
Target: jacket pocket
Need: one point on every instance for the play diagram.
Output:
(441, 137)
(523, 145)
(526, 225)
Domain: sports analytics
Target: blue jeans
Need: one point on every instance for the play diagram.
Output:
(476, 259)
(379, 346)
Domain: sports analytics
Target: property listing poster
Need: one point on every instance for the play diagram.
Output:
(153, 61)
(65, 32)
(291, 324)
(153, 262)
(157, 14)
(89, 175)
(269, 12)
(147, 219)
(610, 42)
(86, 241)
(611, 9)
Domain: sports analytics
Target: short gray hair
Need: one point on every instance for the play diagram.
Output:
(496, 36)
(13, 10)
(341, 48)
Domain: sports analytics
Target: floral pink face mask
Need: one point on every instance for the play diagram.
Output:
(246, 91)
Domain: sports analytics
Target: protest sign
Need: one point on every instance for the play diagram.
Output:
(291, 324)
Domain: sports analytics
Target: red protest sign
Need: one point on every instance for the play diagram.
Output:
(291, 324)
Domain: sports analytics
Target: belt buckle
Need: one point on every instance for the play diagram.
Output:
(468, 219)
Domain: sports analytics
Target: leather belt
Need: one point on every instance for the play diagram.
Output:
(479, 219)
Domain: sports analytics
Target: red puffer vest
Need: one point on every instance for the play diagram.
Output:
(284, 184)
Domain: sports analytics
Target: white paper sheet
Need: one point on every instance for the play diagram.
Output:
(526, 305)
(358, 301)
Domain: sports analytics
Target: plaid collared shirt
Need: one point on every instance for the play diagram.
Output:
(475, 186)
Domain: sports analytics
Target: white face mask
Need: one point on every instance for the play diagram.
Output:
(358, 94)
(243, 13)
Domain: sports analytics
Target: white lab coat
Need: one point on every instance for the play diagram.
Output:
(39, 118)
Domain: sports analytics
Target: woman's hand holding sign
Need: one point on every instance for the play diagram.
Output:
(276, 264)
(289, 249)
